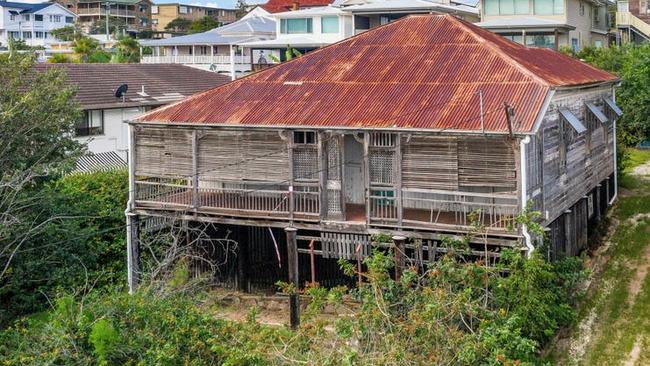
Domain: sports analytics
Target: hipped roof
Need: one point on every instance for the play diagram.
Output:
(419, 72)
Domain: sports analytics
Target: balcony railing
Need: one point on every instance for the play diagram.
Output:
(627, 19)
(194, 59)
(102, 11)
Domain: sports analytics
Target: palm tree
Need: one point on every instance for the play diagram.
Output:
(84, 47)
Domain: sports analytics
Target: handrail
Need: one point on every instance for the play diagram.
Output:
(626, 18)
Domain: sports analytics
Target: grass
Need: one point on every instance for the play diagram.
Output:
(620, 304)
(636, 157)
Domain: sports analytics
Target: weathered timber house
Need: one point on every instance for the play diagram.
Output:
(405, 130)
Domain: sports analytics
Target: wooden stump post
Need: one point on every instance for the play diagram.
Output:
(398, 241)
(242, 264)
(292, 264)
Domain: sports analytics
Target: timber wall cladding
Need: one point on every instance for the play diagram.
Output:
(587, 162)
(468, 164)
(163, 152)
(243, 156)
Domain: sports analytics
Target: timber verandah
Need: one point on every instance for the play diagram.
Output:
(342, 185)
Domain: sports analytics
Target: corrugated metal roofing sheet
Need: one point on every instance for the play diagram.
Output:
(420, 72)
(277, 6)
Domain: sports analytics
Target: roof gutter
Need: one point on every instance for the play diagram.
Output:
(330, 128)
(524, 196)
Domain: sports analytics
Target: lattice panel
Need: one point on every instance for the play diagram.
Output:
(382, 163)
(333, 160)
(334, 202)
(305, 163)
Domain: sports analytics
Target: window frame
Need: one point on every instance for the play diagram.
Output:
(308, 29)
(84, 128)
(329, 17)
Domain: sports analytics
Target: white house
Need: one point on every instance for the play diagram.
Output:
(217, 49)
(32, 23)
(149, 86)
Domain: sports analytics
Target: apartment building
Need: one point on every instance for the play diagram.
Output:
(162, 14)
(135, 13)
(548, 23)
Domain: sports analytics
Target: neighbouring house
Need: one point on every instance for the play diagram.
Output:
(32, 22)
(420, 128)
(102, 127)
(549, 23)
(135, 13)
(218, 49)
(162, 14)
(309, 28)
(633, 20)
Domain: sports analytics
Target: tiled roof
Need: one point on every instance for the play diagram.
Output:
(419, 72)
(277, 6)
(163, 83)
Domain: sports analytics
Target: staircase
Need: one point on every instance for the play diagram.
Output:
(640, 25)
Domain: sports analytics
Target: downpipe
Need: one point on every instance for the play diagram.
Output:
(524, 197)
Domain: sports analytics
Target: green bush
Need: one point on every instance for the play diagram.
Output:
(82, 246)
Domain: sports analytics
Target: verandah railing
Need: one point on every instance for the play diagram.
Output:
(163, 193)
(420, 207)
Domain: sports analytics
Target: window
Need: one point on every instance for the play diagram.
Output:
(329, 24)
(39, 34)
(596, 14)
(38, 17)
(209, 12)
(514, 37)
(143, 8)
(154, 9)
(182, 9)
(574, 44)
(298, 25)
(92, 124)
(549, 7)
(14, 35)
(55, 19)
(69, 20)
(540, 40)
(154, 21)
(598, 43)
(26, 17)
(27, 35)
(581, 9)
(304, 137)
(506, 7)
(12, 17)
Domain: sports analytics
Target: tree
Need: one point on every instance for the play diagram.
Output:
(99, 57)
(203, 25)
(127, 51)
(178, 25)
(36, 144)
(59, 58)
(116, 26)
(84, 47)
(241, 9)
(68, 33)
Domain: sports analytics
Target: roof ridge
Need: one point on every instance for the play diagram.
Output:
(497, 50)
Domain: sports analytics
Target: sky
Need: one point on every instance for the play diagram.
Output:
(215, 3)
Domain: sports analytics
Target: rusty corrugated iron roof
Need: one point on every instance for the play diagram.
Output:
(420, 72)
(278, 6)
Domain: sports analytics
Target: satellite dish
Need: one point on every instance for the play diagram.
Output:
(121, 90)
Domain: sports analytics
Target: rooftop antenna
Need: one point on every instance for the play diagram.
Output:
(120, 92)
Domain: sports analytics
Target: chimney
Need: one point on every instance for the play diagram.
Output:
(295, 5)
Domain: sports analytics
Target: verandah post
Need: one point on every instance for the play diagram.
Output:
(398, 242)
